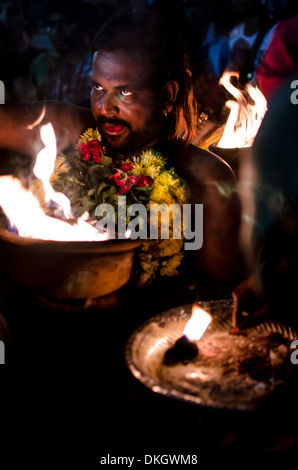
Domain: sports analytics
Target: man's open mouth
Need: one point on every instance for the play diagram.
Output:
(114, 129)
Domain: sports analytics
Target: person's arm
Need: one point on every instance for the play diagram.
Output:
(218, 262)
(20, 125)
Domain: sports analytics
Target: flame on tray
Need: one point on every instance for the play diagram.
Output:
(197, 324)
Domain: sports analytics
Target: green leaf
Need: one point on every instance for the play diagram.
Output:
(102, 186)
(106, 161)
(144, 188)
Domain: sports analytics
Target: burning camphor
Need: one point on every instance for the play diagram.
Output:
(185, 347)
(245, 117)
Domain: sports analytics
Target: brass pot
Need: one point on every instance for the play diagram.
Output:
(66, 270)
(233, 156)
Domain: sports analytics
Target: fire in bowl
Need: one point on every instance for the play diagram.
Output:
(66, 270)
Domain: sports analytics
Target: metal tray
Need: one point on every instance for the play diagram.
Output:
(146, 347)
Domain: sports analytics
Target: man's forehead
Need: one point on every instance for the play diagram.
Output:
(119, 66)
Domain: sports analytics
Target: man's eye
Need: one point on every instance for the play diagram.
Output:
(98, 87)
(126, 92)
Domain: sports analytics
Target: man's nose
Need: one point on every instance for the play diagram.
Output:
(108, 104)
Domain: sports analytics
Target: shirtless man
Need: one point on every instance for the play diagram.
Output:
(141, 96)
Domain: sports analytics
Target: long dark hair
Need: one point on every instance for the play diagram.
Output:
(163, 50)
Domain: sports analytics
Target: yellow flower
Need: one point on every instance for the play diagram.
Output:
(149, 163)
(164, 219)
(89, 134)
(170, 247)
(148, 263)
(61, 167)
(166, 179)
(180, 194)
(169, 189)
(151, 246)
(170, 265)
(160, 195)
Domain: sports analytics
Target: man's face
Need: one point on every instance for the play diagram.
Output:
(63, 32)
(126, 108)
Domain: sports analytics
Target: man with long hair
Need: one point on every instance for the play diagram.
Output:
(141, 97)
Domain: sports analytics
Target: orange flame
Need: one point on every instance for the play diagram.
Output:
(245, 118)
(24, 212)
(44, 167)
(197, 324)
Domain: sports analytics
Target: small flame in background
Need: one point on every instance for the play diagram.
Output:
(245, 118)
(197, 324)
(23, 210)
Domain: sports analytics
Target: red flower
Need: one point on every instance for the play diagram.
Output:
(126, 167)
(96, 158)
(145, 181)
(86, 155)
(91, 150)
(95, 150)
(124, 186)
(123, 181)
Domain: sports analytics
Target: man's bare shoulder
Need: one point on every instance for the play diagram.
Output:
(193, 160)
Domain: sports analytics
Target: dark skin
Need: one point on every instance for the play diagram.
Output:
(206, 174)
(124, 109)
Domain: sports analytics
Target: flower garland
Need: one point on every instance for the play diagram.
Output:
(90, 177)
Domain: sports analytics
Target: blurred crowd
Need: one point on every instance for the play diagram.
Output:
(45, 55)
(44, 46)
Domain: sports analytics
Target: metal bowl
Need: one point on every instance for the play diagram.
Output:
(235, 157)
(66, 270)
(145, 349)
